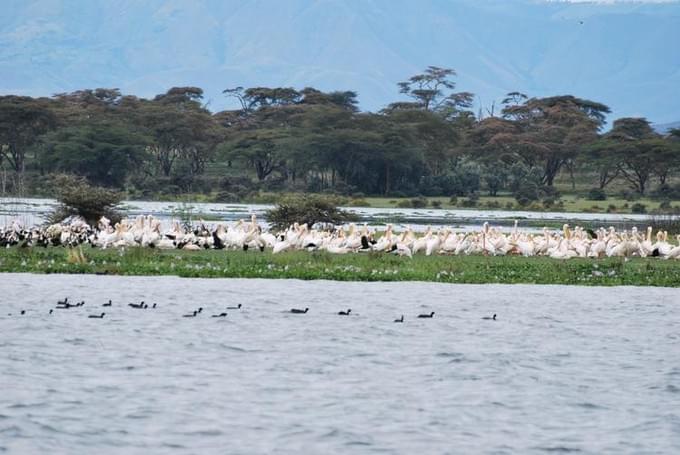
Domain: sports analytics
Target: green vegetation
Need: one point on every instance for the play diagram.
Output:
(549, 153)
(568, 203)
(307, 209)
(77, 197)
(357, 267)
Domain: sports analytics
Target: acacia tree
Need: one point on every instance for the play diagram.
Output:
(252, 99)
(602, 156)
(308, 210)
(433, 90)
(261, 148)
(275, 125)
(105, 153)
(181, 128)
(551, 131)
(436, 136)
(436, 118)
(638, 151)
(22, 121)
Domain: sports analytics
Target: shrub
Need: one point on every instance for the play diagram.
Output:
(597, 194)
(358, 202)
(495, 177)
(666, 191)
(665, 205)
(419, 202)
(78, 198)
(437, 204)
(530, 191)
(638, 208)
(462, 180)
(344, 189)
(226, 197)
(278, 183)
(228, 182)
(405, 204)
(630, 195)
(265, 198)
(307, 209)
(521, 175)
(526, 193)
(453, 200)
(470, 201)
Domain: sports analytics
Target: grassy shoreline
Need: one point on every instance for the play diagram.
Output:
(355, 267)
(571, 203)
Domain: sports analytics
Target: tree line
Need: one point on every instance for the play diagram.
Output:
(284, 139)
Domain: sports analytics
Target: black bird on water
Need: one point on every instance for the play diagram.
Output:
(51, 311)
(194, 314)
(221, 315)
(94, 316)
(108, 304)
(137, 305)
(431, 315)
(490, 318)
(237, 307)
(345, 313)
(64, 304)
(299, 311)
(401, 319)
(154, 306)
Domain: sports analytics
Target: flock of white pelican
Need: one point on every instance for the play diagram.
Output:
(147, 231)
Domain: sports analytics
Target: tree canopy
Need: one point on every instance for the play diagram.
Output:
(307, 140)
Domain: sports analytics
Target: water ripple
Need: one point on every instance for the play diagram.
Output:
(565, 370)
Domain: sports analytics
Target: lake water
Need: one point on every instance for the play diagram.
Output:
(30, 211)
(563, 369)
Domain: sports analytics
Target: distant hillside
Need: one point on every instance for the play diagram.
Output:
(625, 55)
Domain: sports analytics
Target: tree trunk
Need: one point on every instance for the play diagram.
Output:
(552, 167)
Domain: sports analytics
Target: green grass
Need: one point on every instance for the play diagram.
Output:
(355, 267)
(572, 203)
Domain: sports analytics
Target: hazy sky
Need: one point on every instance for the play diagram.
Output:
(615, 52)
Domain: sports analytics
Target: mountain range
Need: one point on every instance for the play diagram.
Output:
(624, 54)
